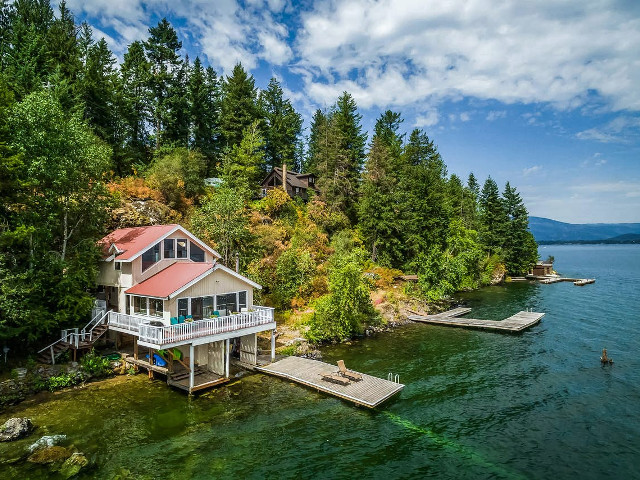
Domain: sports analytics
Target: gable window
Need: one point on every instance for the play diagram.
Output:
(151, 256)
(197, 254)
(310, 179)
(117, 265)
(169, 248)
(181, 248)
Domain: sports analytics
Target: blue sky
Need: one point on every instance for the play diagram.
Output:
(543, 94)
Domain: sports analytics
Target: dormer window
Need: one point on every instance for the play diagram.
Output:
(181, 248)
(151, 256)
(169, 248)
(197, 254)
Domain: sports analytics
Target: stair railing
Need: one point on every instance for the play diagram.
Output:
(99, 319)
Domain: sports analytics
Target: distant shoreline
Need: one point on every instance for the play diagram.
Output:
(589, 242)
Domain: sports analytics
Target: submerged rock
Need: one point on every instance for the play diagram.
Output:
(51, 454)
(47, 441)
(15, 428)
(72, 465)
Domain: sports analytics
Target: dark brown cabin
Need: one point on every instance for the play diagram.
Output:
(298, 184)
(542, 268)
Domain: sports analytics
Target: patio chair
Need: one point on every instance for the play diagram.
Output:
(181, 319)
(335, 378)
(173, 321)
(351, 375)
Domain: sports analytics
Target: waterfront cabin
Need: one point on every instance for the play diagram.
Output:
(542, 269)
(297, 184)
(172, 302)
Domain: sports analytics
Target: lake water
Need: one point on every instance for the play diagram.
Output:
(475, 405)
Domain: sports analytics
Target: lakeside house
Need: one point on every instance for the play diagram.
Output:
(170, 299)
(296, 185)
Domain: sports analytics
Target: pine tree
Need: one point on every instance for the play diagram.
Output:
(492, 217)
(65, 56)
(425, 211)
(28, 61)
(204, 95)
(243, 167)
(178, 120)
(162, 52)
(318, 126)
(341, 158)
(282, 129)
(521, 250)
(238, 109)
(135, 74)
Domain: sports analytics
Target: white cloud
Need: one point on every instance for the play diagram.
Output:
(511, 52)
(465, 117)
(531, 170)
(496, 114)
(428, 119)
(621, 129)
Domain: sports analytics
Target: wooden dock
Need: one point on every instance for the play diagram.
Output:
(516, 323)
(576, 281)
(369, 392)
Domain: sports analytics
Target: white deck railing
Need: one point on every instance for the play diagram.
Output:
(139, 325)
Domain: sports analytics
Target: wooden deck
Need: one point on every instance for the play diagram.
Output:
(369, 392)
(516, 323)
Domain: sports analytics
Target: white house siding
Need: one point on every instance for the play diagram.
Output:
(216, 283)
(248, 348)
(211, 355)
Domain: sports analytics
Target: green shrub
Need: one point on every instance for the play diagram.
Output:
(95, 365)
(65, 380)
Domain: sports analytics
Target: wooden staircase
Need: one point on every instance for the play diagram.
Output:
(75, 340)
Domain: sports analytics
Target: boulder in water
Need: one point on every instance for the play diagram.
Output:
(15, 428)
(47, 441)
(72, 465)
(51, 454)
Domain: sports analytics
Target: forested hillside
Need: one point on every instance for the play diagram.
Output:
(88, 145)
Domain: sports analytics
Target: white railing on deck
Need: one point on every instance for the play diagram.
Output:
(127, 322)
(189, 330)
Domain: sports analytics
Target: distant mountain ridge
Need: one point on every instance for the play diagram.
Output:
(547, 230)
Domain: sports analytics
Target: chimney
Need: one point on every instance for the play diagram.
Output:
(284, 176)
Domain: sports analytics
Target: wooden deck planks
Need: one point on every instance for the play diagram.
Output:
(516, 323)
(370, 391)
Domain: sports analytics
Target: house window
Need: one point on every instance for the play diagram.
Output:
(310, 179)
(117, 265)
(196, 308)
(227, 302)
(297, 190)
(264, 192)
(207, 306)
(183, 307)
(181, 248)
(197, 254)
(151, 256)
(155, 307)
(140, 305)
(169, 248)
(242, 300)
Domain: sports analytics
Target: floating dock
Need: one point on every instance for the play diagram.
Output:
(369, 392)
(516, 323)
(576, 281)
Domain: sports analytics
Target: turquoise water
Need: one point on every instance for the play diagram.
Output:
(475, 405)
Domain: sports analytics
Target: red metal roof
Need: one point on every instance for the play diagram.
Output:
(132, 240)
(169, 280)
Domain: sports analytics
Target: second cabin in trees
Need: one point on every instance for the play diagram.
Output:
(297, 184)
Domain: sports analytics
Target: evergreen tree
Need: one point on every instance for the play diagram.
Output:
(204, 95)
(135, 74)
(341, 158)
(162, 52)
(314, 150)
(425, 212)
(283, 126)
(65, 56)
(28, 61)
(178, 121)
(238, 109)
(521, 249)
(492, 217)
(386, 129)
(243, 166)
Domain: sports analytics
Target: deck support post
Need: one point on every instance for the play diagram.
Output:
(226, 358)
(191, 366)
(273, 345)
(135, 348)
(255, 349)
